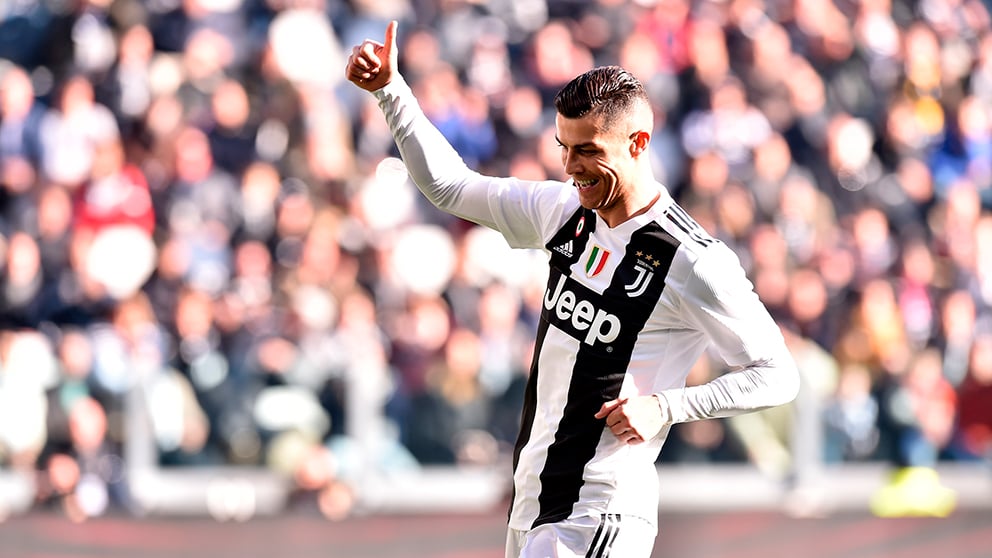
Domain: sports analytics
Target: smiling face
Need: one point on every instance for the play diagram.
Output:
(603, 127)
(600, 160)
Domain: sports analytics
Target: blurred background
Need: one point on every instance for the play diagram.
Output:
(220, 295)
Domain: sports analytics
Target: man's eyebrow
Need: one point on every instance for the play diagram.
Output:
(578, 145)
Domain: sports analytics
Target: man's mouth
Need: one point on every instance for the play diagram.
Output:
(585, 184)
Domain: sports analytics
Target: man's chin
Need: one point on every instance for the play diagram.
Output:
(589, 202)
(593, 198)
(590, 198)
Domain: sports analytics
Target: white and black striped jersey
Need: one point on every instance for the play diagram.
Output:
(627, 311)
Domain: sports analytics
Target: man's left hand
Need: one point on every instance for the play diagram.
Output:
(633, 420)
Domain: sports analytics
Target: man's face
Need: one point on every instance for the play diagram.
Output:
(598, 159)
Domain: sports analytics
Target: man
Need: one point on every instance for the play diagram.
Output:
(637, 291)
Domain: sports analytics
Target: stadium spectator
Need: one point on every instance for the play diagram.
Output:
(26, 291)
(232, 133)
(449, 417)
(115, 194)
(70, 131)
(20, 118)
(851, 417)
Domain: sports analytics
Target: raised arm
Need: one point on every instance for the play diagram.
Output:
(435, 167)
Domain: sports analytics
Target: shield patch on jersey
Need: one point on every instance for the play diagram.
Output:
(597, 260)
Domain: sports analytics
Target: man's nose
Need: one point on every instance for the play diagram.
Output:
(571, 163)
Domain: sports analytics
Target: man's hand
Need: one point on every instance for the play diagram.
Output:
(634, 419)
(371, 64)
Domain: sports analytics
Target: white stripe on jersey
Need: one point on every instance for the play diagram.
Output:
(552, 392)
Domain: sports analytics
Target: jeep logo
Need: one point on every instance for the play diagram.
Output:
(597, 324)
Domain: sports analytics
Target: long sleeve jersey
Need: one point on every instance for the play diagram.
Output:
(627, 311)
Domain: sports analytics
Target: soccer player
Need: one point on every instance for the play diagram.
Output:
(637, 291)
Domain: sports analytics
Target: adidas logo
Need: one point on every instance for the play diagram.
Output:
(564, 249)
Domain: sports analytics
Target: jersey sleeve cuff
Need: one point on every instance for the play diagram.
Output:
(672, 407)
(395, 88)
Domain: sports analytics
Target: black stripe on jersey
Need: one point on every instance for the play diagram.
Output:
(598, 537)
(610, 541)
(606, 535)
(602, 360)
(611, 536)
(688, 225)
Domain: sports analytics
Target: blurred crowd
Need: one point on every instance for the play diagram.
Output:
(200, 217)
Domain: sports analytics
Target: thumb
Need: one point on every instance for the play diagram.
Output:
(608, 407)
(389, 44)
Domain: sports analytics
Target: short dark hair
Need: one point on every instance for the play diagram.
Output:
(606, 90)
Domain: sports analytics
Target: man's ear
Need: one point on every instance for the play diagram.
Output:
(639, 142)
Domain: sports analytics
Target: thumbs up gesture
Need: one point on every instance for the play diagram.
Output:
(371, 64)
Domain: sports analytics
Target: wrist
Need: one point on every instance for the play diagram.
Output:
(394, 86)
(663, 408)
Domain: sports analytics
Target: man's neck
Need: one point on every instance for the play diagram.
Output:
(639, 202)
